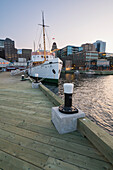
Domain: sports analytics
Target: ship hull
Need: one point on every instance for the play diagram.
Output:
(48, 71)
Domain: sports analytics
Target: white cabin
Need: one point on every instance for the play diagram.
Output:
(38, 56)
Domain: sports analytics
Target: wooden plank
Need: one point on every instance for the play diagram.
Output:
(39, 106)
(57, 147)
(35, 115)
(25, 133)
(40, 149)
(53, 98)
(40, 121)
(72, 137)
(25, 154)
(56, 164)
(27, 117)
(9, 162)
(25, 110)
(100, 139)
(77, 148)
(26, 102)
(69, 146)
(54, 133)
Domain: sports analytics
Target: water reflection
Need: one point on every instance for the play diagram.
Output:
(93, 95)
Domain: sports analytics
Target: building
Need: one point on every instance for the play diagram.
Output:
(85, 59)
(54, 46)
(1, 43)
(70, 50)
(100, 46)
(10, 53)
(88, 47)
(103, 63)
(91, 59)
(79, 60)
(2, 50)
(3, 64)
(24, 53)
(10, 50)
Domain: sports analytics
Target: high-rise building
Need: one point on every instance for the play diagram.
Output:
(10, 53)
(70, 50)
(2, 51)
(100, 46)
(10, 50)
(88, 47)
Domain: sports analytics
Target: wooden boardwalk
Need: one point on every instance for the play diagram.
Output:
(28, 139)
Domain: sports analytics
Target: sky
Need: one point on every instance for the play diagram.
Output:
(71, 22)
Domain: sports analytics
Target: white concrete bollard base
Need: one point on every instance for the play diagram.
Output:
(35, 85)
(65, 123)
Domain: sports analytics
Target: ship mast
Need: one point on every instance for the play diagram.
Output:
(44, 36)
(43, 25)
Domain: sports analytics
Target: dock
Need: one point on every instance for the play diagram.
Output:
(29, 140)
(96, 72)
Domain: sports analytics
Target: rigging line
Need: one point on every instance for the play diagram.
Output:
(36, 36)
(36, 33)
(48, 39)
(39, 39)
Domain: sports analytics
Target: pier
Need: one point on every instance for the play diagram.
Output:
(29, 140)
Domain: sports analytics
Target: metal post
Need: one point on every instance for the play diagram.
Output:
(22, 77)
(67, 108)
(36, 76)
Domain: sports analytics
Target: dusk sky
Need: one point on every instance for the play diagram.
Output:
(71, 22)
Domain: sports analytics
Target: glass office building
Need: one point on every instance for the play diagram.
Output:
(70, 50)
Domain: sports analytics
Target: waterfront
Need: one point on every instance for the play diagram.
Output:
(28, 139)
(93, 95)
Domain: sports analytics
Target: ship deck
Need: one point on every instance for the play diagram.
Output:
(28, 139)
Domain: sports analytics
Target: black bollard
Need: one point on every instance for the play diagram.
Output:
(22, 78)
(67, 108)
(36, 76)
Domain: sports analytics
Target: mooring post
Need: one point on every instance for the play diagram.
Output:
(64, 117)
(67, 108)
(22, 77)
(36, 76)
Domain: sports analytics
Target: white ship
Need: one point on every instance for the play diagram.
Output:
(44, 63)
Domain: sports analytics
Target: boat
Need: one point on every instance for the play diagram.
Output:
(90, 72)
(77, 72)
(44, 63)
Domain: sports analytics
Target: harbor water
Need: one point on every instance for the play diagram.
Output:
(93, 95)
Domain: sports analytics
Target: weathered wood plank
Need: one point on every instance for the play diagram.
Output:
(77, 148)
(54, 133)
(25, 133)
(100, 139)
(9, 162)
(34, 115)
(25, 139)
(41, 149)
(25, 154)
(25, 110)
(69, 146)
(56, 164)
(45, 134)
(26, 101)
(23, 120)
(72, 137)
(53, 98)
(40, 105)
